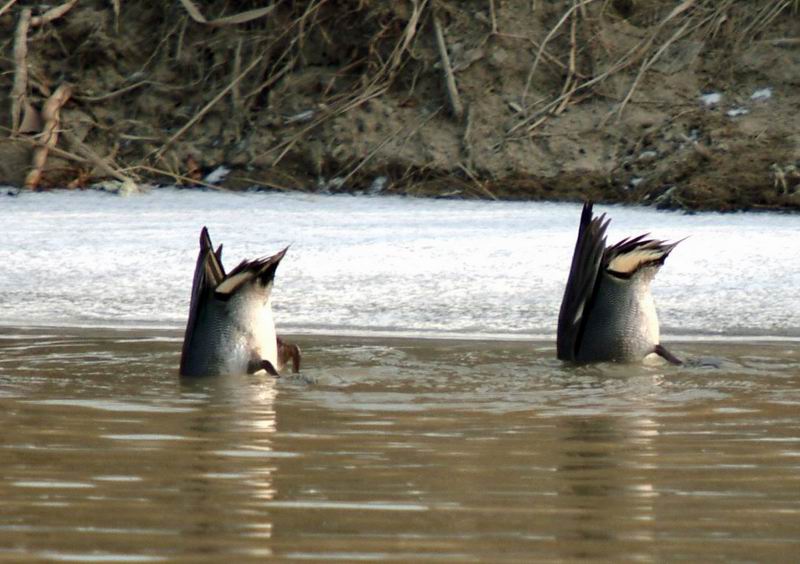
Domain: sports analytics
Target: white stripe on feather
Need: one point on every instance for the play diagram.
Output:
(230, 284)
(629, 262)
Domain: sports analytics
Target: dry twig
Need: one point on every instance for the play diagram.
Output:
(647, 64)
(782, 41)
(49, 136)
(160, 152)
(681, 8)
(236, 91)
(764, 18)
(565, 91)
(53, 13)
(390, 137)
(633, 55)
(482, 188)
(115, 93)
(456, 108)
(242, 17)
(99, 162)
(493, 14)
(179, 178)
(116, 6)
(364, 97)
(20, 88)
(547, 38)
(7, 6)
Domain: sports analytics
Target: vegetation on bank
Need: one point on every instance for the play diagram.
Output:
(682, 104)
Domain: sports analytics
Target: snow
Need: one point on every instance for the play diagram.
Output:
(711, 99)
(217, 175)
(762, 94)
(735, 112)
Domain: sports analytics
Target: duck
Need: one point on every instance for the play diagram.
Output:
(608, 313)
(231, 328)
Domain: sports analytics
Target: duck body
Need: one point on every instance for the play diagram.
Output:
(230, 335)
(624, 323)
(231, 328)
(608, 312)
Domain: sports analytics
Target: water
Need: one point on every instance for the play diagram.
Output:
(389, 264)
(476, 447)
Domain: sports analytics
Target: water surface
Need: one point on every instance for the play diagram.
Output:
(396, 449)
(391, 445)
(392, 264)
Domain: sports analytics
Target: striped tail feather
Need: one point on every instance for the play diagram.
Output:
(625, 258)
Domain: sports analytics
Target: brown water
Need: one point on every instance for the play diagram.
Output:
(396, 450)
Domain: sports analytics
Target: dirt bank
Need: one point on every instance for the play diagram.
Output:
(689, 104)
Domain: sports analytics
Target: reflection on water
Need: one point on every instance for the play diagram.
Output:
(396, 450)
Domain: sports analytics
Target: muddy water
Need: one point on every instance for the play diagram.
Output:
(392, 449)
(480, 447)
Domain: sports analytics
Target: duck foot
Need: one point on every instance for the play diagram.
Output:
(256, 365)
(666, 355)
(288, 351)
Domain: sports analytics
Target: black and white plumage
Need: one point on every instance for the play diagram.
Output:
(608, 312)
(231, 329)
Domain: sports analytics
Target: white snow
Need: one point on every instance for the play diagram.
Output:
(762, 94)
(217, 175)
(734, 112)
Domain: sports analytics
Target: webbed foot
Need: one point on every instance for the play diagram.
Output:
(666, 355)
(256, 365)
(287, 351)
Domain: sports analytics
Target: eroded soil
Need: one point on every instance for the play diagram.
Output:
(558, 100)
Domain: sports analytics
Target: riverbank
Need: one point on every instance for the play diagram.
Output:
(690, 105)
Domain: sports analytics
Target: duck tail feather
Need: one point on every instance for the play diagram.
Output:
(586, 261)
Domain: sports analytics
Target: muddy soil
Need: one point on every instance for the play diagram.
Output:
(689, 104)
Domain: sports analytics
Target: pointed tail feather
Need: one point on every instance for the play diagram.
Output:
(208, 273)
(629, 255)
(262, 268)
(586, 262)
